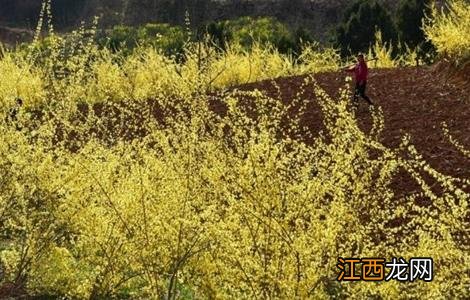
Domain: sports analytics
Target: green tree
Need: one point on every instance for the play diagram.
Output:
(246, 30)
(293, 43)
(410, 16)
(360, 22)
(409, 21)
(219, 33)
(122, 37)
(169, 39)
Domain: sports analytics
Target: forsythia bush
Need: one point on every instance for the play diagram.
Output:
(229, 206)
(180, 202)
(449, 30)
(80, 72)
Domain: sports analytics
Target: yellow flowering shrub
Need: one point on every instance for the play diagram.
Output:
(224, 206)
(240, 204)
(449, 29)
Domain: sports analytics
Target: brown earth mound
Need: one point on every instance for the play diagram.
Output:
(415, 101)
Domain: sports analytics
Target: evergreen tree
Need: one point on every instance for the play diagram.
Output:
(409, 21)
(409, 24)
(219, 33)
(67, 12)
(360, 22)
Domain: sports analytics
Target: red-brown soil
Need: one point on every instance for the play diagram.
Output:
(414, 101)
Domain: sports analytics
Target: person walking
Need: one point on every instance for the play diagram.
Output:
(361, 73)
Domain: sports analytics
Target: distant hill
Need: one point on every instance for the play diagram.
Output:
(319, 17)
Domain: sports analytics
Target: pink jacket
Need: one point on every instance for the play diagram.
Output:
(360, 72)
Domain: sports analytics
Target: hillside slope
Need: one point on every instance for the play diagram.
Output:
(415, 101)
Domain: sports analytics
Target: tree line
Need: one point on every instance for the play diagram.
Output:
(351, 32)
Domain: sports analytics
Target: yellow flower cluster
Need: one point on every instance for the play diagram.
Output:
(240, 204)
(449, 30)
(222, 206)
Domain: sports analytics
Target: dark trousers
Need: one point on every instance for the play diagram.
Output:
(360, 90)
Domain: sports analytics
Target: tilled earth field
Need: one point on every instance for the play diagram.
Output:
(415, 101)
